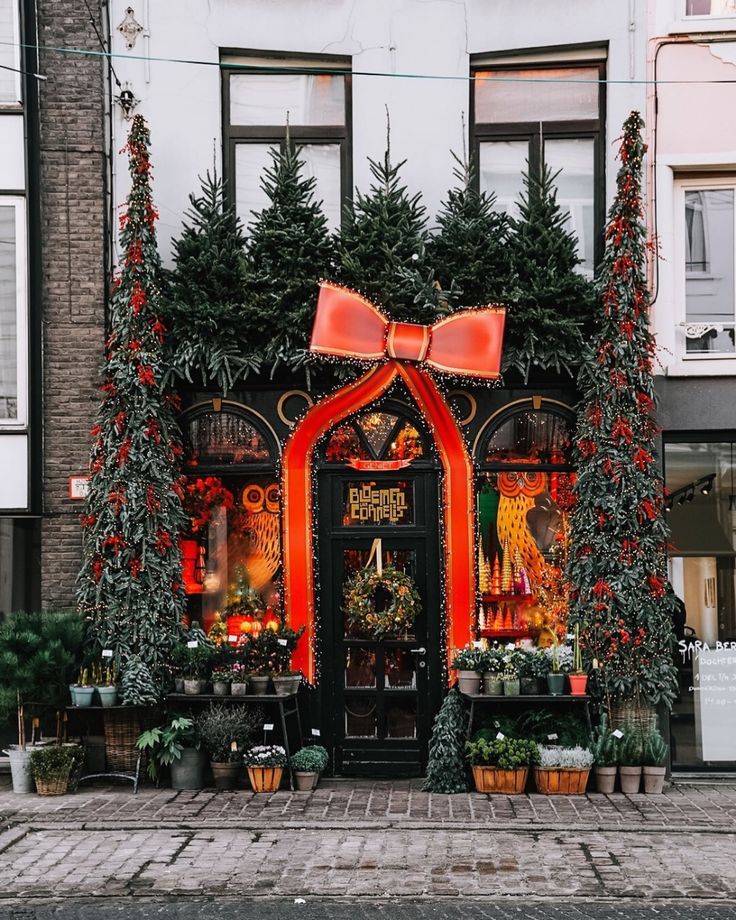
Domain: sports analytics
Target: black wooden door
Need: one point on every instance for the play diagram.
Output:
(380, 696)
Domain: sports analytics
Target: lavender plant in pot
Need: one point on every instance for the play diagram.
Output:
(654, 759)
(225, 732)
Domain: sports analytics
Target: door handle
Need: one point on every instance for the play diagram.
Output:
(418, 651)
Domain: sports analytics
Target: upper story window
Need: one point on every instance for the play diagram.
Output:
(710, 7)
(13, 345)
(708, 288)
(260, 95)
(524, 113)
(9, 53)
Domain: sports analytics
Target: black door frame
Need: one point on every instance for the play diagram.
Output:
(425, 538)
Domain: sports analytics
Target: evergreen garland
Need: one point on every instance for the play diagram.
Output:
(470, 253)
(130, 581)
(206, 290)
(549, 301)
(383, 247)
(289, 251)
(446, 769)
(618, 531)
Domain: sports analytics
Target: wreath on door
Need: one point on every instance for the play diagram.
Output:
(399, 607)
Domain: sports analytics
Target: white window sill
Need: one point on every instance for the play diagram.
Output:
(701, 25)
(706, 366)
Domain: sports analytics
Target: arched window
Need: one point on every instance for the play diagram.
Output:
(225, 437)
(529, 436)
(385, 433)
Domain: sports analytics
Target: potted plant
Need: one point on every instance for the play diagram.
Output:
(501, 765)
(265, 763)
(468, 663)
(221, 680)
(52, 767)
(533, 670)
(196, 665)
(577, 676)
(83, 691)
(631, 752)
(604, 747)
(225, 732)
(510, 676)
(307, 764)
(105, 685)
(176, 746)
(563, 770)
(38, 655)
(239, 682)
(655, 756)
(556, 674)
(277, 644)
(492, 665)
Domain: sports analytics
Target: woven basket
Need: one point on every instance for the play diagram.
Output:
(642, 714)
(503, 782)
(265, 779)
(58, 785)
(561, 782)
(122, 728)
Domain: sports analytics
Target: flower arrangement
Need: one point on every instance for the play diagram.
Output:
(399, 614)
(222, 675)
(265, 755)
(469, 659)
(560, 658)
(202, 497)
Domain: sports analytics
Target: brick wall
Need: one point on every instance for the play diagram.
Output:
(73, 286)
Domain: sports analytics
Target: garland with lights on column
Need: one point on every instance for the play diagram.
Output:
(617, 567)
(130, 581)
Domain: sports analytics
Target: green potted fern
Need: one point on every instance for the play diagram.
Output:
(655, 755)
(604, 747)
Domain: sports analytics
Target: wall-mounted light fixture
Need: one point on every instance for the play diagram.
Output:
(127, 101)
(685, 494)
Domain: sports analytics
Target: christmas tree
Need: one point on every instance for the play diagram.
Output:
(383, 243)
(617, 565)
(470, 253)
(130, 582)
(289, 250)
(206, 292)
(446, 770)
(550, 302)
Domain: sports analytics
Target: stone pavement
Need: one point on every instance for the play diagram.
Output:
(371, 841)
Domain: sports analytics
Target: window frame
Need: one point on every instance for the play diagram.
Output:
(506, 414)
(536, 132)
(17, 103)
(275, 135)
(695, 182)
(18, 202)
(253, 418)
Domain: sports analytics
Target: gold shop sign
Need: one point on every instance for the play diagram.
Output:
(370, 503)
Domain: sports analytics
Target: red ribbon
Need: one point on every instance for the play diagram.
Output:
(347, 325)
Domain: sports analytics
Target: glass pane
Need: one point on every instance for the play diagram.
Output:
(501, 165)
(360, 667)
(370, 503)
(709, 270)
(710, 8)
(401, 719)
(265, 99)
(540, 437)
(407, 445)
(399, 669)
(322, 161)
(575, 191)
(223, 438)
(551, 94)
(8, 316)
(344, 444)
(251, 161)
(361, 717)
(8, 79)
(377, 427)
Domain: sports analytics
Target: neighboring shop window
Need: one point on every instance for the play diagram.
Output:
(524, 114)
(313, 94)
(13, 346)
(524, 500)
(9, 53)
(708, 277)
(232, 551)
(700, 477)
(710, 7)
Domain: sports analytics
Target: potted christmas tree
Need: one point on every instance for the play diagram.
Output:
(653, 762)
(604, 746)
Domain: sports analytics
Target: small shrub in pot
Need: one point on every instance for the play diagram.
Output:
(221, 679)
(52, 766)
(176, 746)
(501, 765)
(196, 666)
(492, 666)
(631, 753)
(510, 677)
(307, 765)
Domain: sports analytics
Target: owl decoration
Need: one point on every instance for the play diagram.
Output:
(261, 532)
(518, 490)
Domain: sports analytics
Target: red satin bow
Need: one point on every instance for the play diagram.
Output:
(467, 343)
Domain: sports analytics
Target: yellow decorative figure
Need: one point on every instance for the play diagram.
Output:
(518, 490)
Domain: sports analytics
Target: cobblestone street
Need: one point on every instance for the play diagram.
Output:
(370, 841)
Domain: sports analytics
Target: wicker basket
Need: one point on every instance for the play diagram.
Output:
(122, 728)
(503, 782)
(561, 782)
(265, 779)
(641, 714)
(58, 785)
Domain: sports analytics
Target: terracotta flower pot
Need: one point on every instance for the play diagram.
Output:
(226, 775)
(468, 682)
(605, 779)
(654, 780)
(561, 782)
(265, 779)
(578, 684)
(504, 782)
(630, 779)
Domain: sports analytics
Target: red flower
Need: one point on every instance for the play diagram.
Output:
(120, 420)
(656, 585)
(153, 430)
(646, 511)
(114, 542)
(97, 567)
(642, 459)
(622, 429)
(135, 567)
(163, 541)
(134, 345)
(124, 451)
(95, 431)
(87, 520)
(138, 298)
(146, 375)
(135, 254)
(159, 329)
(152, 502)
(602, 589)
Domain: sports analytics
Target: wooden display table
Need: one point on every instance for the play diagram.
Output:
(535, 700)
